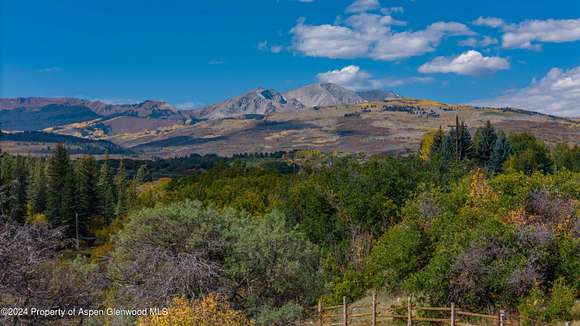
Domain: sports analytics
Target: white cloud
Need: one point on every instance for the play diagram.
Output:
(470, 63)
(529, 33)
(362, 6)
(408, 44)
(215, 62)
(368, 35)
(557, 93)
(392, 10)
(475, 42)
(489, 22)
(329, 41)
(353, 77)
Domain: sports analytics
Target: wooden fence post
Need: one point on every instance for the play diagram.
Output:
(452, 314)
(319, 312)
(374, 312)
(344, 312)
(409, 312)
(502, 317)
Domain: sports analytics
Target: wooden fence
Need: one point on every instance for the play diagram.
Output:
(374, 314)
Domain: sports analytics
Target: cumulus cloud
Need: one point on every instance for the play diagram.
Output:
(362, 6)
(557, 93)
(489, 22)
(409, 44)
(367, 35)
(352, 77)
(529, 33)
(470, 63)
(478, 42)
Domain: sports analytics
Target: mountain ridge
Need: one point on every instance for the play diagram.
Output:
(259, 101)
(324, 94)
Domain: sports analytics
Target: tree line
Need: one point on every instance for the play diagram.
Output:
(66, 193)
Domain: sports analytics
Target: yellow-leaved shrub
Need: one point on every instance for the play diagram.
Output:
(209, 311)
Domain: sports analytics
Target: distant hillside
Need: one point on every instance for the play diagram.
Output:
(325, 94)
(43, 117)
(262, 120)
(43, 140)
(36, 113)
(394, 126)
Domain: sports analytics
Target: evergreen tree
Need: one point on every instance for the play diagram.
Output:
(457, 143)
(436, 146)
(18, 190)
(105, 191)
(37, 188)
(121, 190)
(484, 142)
(501, 151)
(60, 190)
(87, 191)
(142, 174)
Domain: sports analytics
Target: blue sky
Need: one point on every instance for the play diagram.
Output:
(200, 52)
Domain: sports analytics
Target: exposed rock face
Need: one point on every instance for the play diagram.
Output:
(378, 95)
(325, 94)
(259, 101)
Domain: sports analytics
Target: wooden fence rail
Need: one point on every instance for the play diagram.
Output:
(375, 314)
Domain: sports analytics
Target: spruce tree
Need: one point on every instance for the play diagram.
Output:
(457, 143)
(501, 151)
(142, 174)
(106, 196)
(484, 142)
(60, 190)
(18, 190)
(37, 188)
(121, 190)
(87, 191)
(438, 138)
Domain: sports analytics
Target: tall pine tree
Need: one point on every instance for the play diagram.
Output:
(457, 143)
(18, 190)
(60, 206)
(121, 190)
(501, 151)
(87, 191)
(105, 191)
(484, 142)
(37, 188)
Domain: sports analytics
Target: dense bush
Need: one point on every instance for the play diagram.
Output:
(259, 264)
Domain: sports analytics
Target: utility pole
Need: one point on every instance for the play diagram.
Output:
(77, 229)
(457, 137)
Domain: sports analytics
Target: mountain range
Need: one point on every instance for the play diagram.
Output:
(319, 116)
